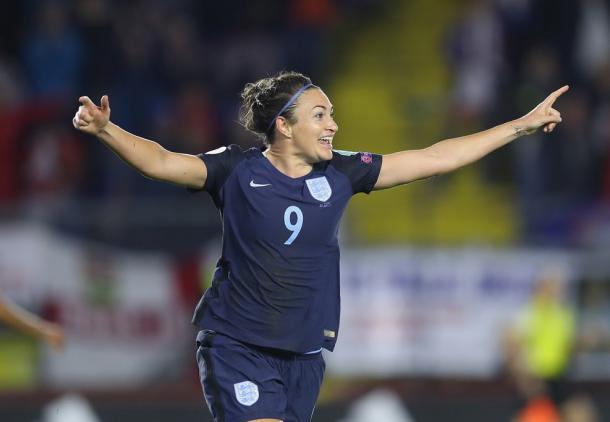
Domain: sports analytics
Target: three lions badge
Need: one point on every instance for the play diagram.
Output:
(319, 188)
(246, 393)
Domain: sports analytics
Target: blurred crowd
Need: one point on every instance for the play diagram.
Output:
(174, 70)
(505, 56)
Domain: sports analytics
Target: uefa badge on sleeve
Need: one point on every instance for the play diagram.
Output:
(366, 157)
(246, 393)
(319, 188)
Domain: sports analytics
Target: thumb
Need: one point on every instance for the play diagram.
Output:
(105, 103)
(553, 118)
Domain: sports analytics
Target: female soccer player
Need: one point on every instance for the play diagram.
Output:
(274, 300)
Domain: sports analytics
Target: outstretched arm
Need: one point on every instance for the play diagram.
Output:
(448, 155)
(31, 324)
(148, 157)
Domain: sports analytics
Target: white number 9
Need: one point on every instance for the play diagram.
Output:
(296, 227)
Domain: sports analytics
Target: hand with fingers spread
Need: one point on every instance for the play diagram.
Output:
(90, 118)
(543, 115)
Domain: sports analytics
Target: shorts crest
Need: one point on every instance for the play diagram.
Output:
(246, 393)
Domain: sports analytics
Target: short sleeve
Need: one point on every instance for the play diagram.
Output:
(361, 168)
(219, 164)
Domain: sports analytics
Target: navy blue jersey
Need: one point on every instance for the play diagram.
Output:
(277, 282)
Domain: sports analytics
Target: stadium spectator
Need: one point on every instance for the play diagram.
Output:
(16, 120)
(53, 53)
(539, 352)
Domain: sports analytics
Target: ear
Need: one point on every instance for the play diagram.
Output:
(283, 126)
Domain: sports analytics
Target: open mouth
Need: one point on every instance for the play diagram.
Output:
(327, 141)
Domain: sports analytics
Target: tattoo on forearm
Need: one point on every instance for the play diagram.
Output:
(520, 131)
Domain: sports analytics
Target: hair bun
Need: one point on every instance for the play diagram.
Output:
(263, 99)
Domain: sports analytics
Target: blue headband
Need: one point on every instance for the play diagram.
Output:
(288, 104)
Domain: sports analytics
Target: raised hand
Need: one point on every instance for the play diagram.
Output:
(90, 118)
(543, 115)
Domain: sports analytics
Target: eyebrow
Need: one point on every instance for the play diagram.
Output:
(324, 107)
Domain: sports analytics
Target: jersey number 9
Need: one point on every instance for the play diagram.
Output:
(296, 227)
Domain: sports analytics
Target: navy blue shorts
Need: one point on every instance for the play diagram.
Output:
(243, 382)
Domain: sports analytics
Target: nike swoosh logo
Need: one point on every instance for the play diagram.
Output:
(258, 185)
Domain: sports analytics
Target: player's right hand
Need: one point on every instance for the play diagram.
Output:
(90, 118)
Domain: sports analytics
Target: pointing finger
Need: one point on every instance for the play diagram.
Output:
(556, 94)
(86, 101)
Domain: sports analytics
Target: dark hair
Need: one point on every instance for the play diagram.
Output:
(262, 100)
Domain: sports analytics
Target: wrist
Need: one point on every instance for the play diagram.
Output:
(105, 130)
(519, 128)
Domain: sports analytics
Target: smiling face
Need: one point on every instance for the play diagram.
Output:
(313, 131)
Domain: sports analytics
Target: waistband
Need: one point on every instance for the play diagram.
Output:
(204, 337)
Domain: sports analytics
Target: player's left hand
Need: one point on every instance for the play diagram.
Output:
(543, 115)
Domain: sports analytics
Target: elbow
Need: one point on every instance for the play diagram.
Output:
(448, 165)
(149, 171)
(153, 173)
(441, 163)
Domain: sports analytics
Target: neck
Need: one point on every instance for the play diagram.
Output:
(290, 164)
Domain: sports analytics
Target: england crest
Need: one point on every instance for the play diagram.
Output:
(246, 393)
(319, 188)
